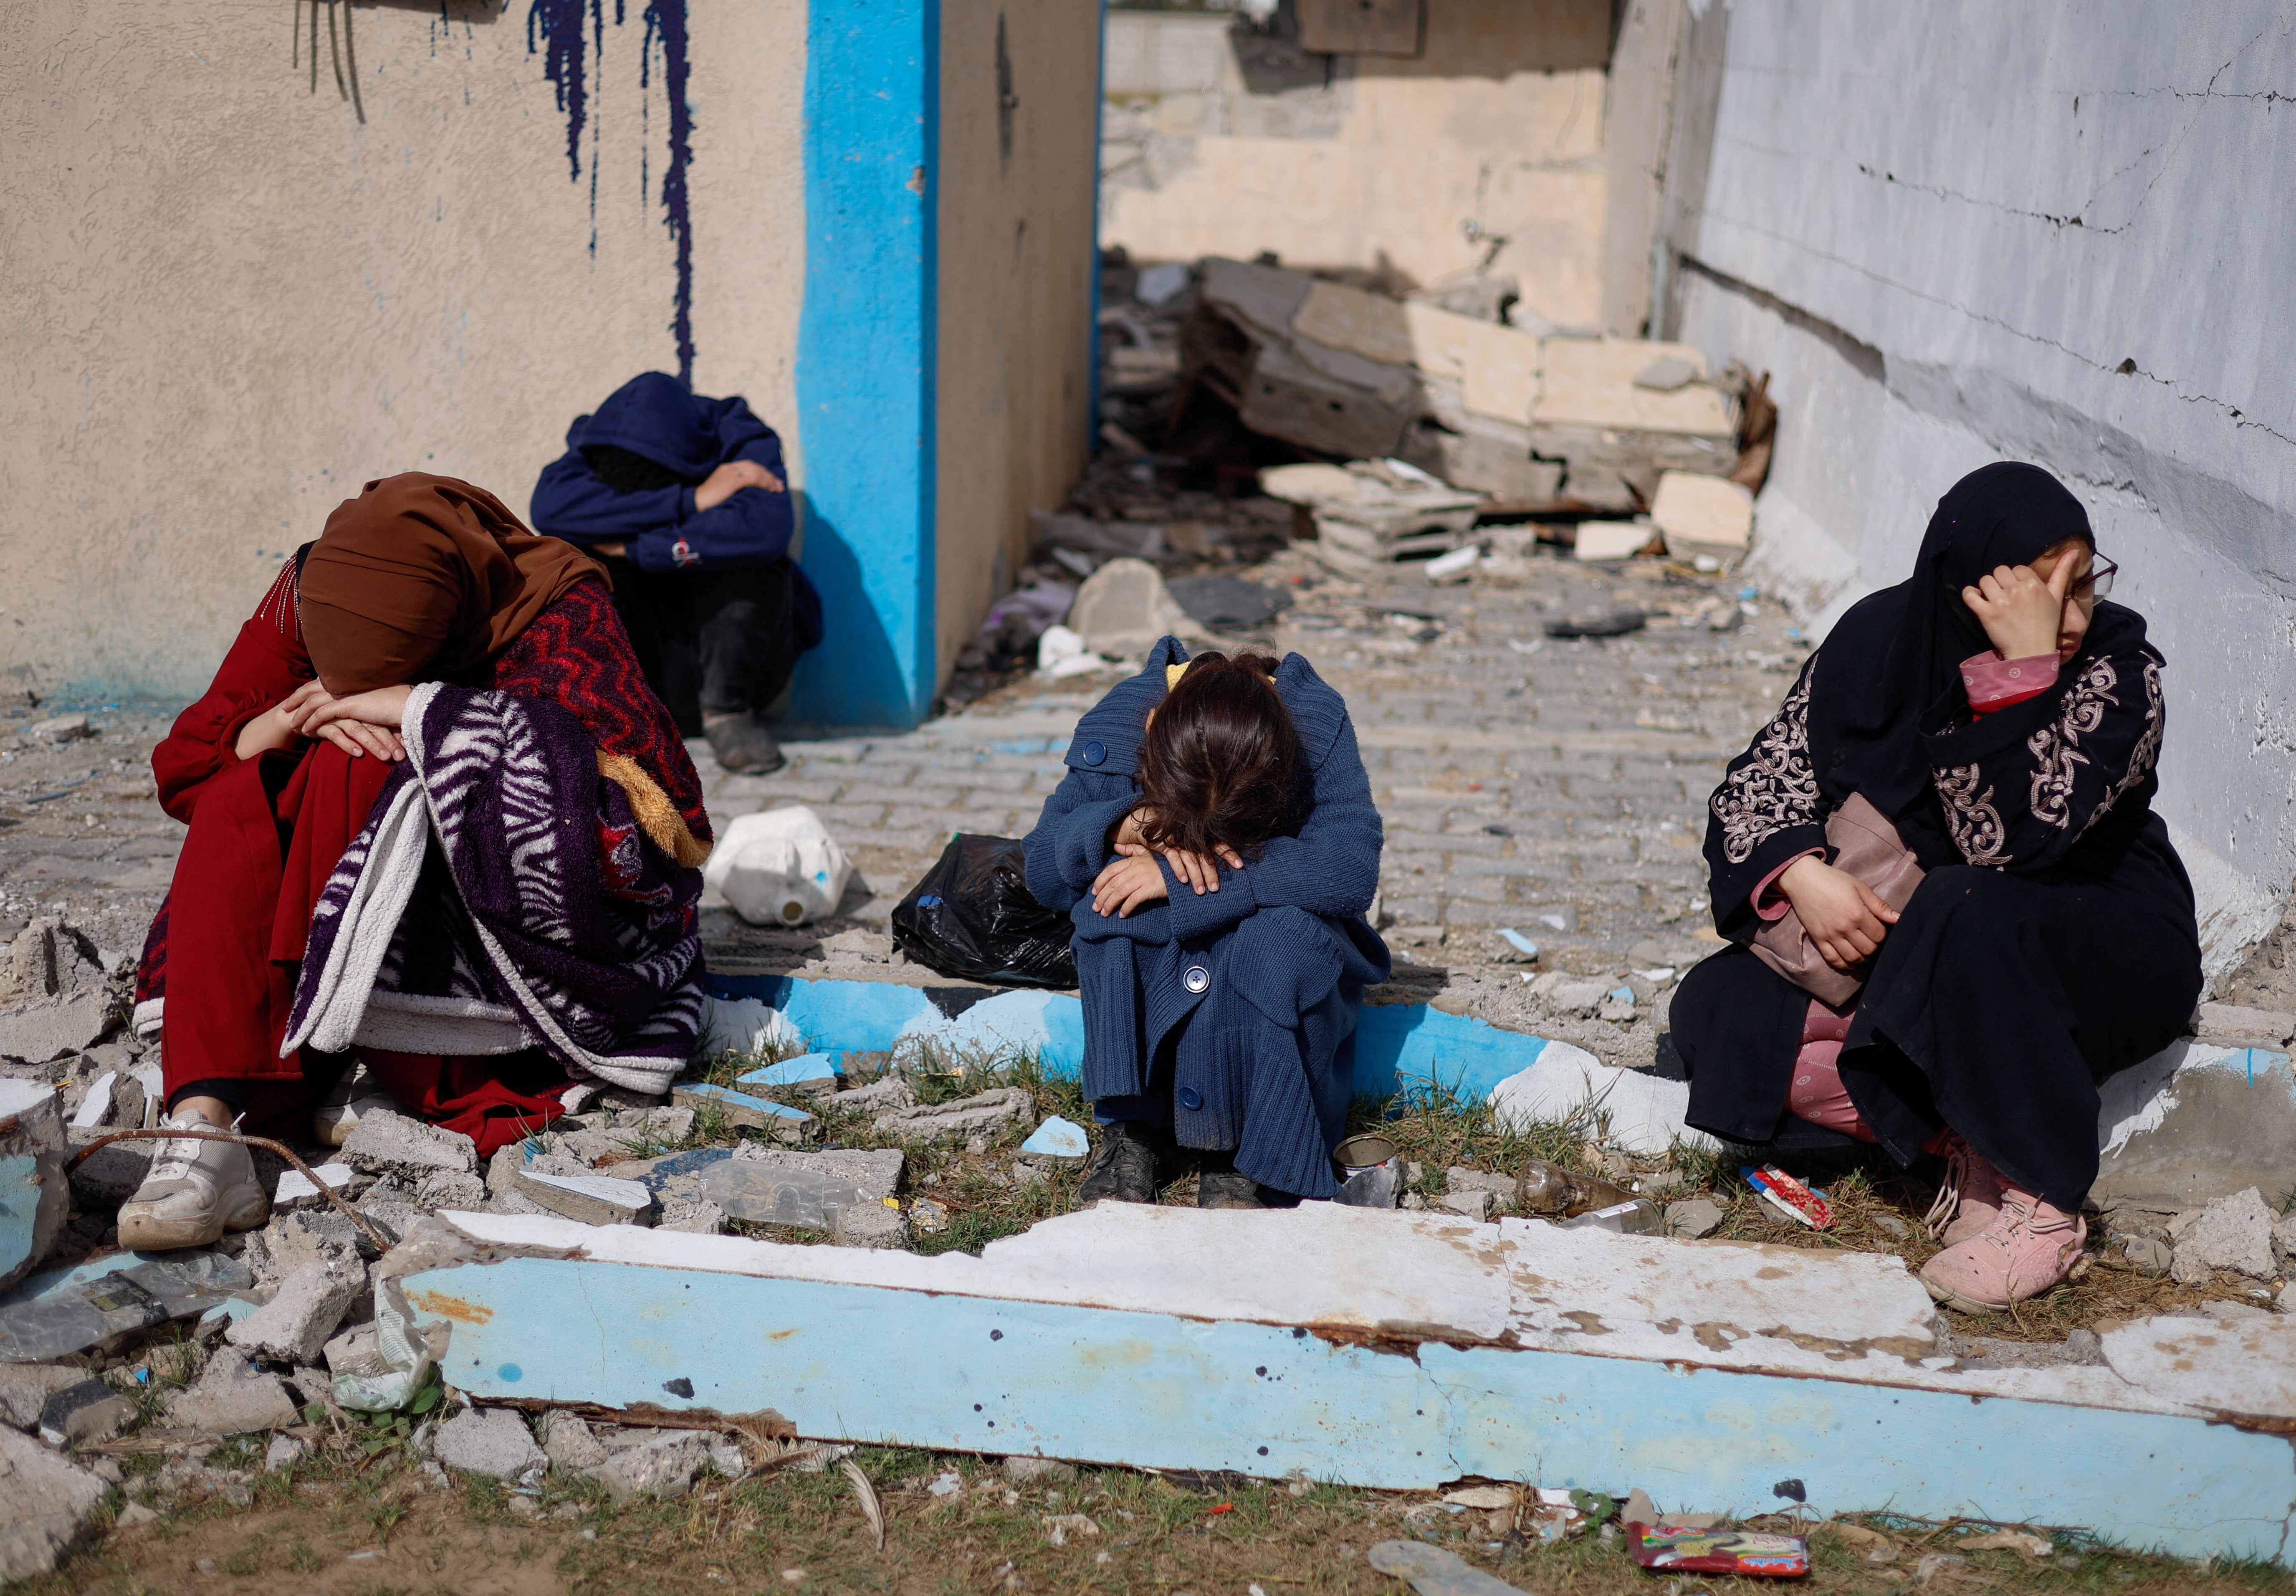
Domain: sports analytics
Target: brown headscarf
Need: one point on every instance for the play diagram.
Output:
(425, 577)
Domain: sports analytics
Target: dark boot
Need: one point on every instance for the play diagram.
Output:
(742, 744)
(1220, 1185)
(1123, 1168)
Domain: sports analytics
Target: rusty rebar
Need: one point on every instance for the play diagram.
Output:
(366, 1226)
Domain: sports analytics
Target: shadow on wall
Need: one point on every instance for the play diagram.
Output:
(854, 678)
(1314, 44)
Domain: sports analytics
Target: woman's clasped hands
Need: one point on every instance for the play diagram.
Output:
(363, 724)
(1844, 918)
(1134, 877)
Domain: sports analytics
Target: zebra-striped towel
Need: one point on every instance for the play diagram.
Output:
(503, 895)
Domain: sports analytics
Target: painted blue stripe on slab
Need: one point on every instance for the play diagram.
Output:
(1145, 1389)
(867, 344)
(1397, 1045)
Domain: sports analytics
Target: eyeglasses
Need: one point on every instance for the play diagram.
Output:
(2096, 585)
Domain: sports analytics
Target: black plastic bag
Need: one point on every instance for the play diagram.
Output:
(973, 916)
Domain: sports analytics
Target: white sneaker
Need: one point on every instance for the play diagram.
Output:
(197, 1191)
(347, 1102)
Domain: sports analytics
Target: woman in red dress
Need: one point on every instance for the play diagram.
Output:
(277, 769)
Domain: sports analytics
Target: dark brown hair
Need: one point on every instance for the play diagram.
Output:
(1220, 765)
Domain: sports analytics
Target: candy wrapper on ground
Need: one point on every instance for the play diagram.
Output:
(1717, 1551)
(1802, 1204)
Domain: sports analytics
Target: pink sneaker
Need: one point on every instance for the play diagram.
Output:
(2028, 1248)
(1969, 1199)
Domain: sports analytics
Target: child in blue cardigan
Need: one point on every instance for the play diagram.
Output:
(1216, 847)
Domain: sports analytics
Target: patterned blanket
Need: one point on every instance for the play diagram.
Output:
(503, 895)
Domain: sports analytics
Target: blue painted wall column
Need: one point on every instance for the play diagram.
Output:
(867, 350)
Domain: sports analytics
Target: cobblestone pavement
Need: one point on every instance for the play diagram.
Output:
(1550, 786)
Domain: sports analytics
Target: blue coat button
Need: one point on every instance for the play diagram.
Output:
(1190, 1098)
(1094, 754)
(1196, 977)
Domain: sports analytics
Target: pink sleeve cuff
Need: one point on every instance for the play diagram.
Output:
(1995, 684)
(1775, 908)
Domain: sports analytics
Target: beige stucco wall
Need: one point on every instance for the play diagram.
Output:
(1372, 163)
(1015, 294)
(224, 304)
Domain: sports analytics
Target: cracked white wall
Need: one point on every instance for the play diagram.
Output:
(2055, 232)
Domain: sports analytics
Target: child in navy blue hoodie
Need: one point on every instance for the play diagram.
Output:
(684, 498)
(1216, 847)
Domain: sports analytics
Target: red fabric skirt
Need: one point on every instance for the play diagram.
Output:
(266, 835)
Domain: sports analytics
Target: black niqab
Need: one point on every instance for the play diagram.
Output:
(1891, 668)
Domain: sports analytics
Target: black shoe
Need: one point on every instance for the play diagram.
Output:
(1123, 1168)
(742, 744)
(1220, 1185)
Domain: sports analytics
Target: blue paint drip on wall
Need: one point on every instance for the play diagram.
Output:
(555, 29)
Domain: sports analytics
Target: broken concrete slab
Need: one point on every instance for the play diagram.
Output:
(35, 1197)
(589, 1199)
(59, 1312)
(2229, 1025)
(810, 1075)
(1435, 1572)
(25, 1389)
(1625, 1353)
(771, 1192)
(983, 1111)
(297, 1190)
(1474, 1204)
(870, 1224)
(1056, 1140)
(294, 1325)
(2241, 1371)
(662, 1465)
(1691, 1221)
(408, 1147)
(233, 1398)
(739, 1109)
(493, 1441)
(44, 1504)
(567, 1441)
(2232, 1232)
(85, 1413)
(1703, 515)
(1124, 607)
(54, 1027)
(2194, 1122)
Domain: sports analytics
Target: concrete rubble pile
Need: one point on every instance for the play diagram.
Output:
(1525, 415)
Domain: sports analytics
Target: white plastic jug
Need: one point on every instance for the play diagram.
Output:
(779, 868)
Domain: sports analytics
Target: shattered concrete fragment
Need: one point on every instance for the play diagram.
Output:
(1435, 1572)
(51, 1028)
(295, 1324)
(449, 1189)
(296, 1191)
(1060, 1526)
(983, 1111)
(2229, 1025)
(663, 1465)
(85, 1413)
(356, 1354)
(894, 1092)
(2232, 1232)
(44, 1503)
(1033, 1471)
(411, 1149)
(1698, 1217)
(25, 1389)
(35, 1197)
(569, 1444)
(59, 728)
(232, 1399)
(2146, 1255)
(1474, 1205)
(1124, 607)
(589, 1199)
(283, 1452)
(870, 1225)
(739, 1109)
(494, 1442)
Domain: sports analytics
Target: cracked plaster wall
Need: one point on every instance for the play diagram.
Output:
(2055, 232)
(227, 303)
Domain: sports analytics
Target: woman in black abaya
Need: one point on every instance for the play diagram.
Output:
(2008, 721)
